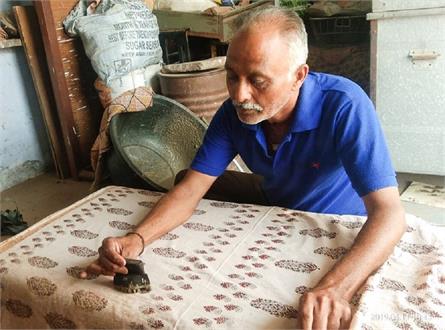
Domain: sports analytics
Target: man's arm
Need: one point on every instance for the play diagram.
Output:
(172, 209)
(327, 305)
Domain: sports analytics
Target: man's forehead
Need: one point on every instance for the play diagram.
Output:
(255, 47)
(258, 32)
(249, 61)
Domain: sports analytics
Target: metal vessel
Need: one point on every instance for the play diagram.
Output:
(201, 92)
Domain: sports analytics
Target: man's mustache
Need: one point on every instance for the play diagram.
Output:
(247, 106)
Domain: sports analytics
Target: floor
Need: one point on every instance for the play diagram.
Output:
(46, 194)
(43, 195)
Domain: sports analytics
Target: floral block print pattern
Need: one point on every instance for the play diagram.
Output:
(227, 261)
(423, 193)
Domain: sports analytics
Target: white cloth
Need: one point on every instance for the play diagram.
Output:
(230, 266)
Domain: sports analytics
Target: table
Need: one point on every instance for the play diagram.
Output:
(230, 266)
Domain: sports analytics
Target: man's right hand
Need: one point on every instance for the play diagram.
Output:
(112, 256)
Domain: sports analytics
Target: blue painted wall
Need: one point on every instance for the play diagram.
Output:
(24, 146)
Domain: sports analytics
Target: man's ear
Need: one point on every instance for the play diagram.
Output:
(300, 75)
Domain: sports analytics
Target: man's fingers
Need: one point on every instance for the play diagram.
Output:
(345, 320)
(335, 316)
(323, 309)
(111, 251)
(307, 319)
(110, 260)
(307, 313)
(321, 313)
(111, 267)
(108, 273)
(83, 274)
(93, 268)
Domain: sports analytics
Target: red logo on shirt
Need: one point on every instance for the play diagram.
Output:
(315, 165)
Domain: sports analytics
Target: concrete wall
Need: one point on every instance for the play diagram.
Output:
(24, 148)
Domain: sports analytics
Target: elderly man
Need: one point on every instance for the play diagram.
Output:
(314, 143)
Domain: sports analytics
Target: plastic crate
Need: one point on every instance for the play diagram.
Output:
(339, 29)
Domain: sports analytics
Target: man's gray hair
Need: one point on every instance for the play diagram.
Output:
(289, 24)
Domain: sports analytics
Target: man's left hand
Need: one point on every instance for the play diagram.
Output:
(324, 308)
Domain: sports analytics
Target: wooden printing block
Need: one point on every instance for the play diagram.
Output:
(136, 281)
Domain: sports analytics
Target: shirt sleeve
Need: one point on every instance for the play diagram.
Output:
(217, 149)
(362, 147)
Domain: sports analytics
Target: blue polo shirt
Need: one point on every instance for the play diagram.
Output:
(333, 154)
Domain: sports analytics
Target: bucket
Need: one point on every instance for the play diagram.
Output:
(201, 92)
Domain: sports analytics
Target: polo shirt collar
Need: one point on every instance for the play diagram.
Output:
(308, 108)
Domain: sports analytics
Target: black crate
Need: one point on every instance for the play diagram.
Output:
(339, 29)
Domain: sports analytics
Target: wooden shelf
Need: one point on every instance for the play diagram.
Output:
(219, 27)
(10, 43)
